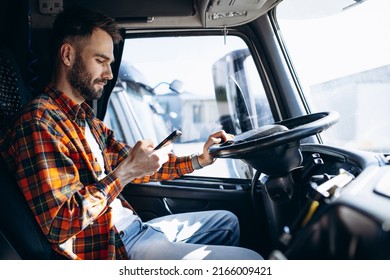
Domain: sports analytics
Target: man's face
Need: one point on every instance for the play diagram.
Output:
(82, 80)
(92, 66)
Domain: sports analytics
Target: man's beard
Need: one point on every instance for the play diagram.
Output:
(80, 79)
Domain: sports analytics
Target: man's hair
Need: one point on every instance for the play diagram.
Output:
(77, 24)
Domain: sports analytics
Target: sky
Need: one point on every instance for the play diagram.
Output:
(188, 59)
(334, 46)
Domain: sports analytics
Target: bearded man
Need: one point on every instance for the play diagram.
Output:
(71, 169)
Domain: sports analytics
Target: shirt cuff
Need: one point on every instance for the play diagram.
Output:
(195, 162)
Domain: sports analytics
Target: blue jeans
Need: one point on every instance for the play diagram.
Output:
(209, 235)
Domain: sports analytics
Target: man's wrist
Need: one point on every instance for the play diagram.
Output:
(195, 161)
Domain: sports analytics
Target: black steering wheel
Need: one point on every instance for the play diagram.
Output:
(275, 149)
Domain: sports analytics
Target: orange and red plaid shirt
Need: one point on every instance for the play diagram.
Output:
(57, 173)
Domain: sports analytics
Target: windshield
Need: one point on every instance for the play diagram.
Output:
(343, 64)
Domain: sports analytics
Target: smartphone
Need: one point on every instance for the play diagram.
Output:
(170, 139)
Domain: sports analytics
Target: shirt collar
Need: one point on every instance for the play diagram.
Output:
(70, 107)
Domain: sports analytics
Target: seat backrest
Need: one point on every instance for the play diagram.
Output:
(17, 222)
(13, 93)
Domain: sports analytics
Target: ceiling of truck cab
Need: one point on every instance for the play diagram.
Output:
(179, 13)
(123, 9)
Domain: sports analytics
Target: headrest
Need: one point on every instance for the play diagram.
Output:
(13, 93)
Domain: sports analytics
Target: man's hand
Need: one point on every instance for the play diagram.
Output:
(215, 138)
(142, 161)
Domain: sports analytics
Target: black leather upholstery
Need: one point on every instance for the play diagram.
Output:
(17, 223)
(11, 87)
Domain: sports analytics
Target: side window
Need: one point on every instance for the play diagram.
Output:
(197, 84)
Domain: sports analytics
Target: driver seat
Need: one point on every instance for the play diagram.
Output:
(20, 234)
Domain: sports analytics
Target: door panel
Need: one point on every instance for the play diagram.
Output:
(191, 194)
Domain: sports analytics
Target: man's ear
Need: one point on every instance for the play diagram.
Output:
(67, 54)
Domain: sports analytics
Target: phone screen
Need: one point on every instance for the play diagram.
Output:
(170, 139)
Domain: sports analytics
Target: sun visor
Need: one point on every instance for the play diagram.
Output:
(219, 13)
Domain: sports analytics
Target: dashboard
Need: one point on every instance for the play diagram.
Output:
(352, 221)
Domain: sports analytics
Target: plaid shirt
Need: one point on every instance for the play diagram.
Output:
(56, 171)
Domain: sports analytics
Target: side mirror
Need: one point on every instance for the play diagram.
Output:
(177, 86)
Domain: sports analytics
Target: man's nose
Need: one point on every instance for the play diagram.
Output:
(107, 74)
